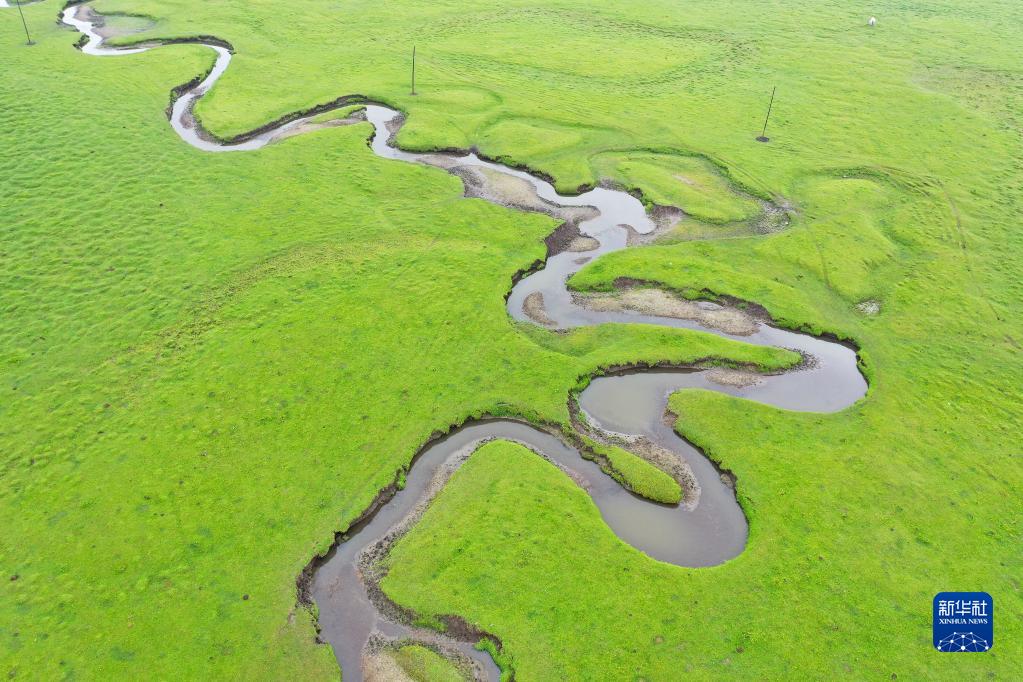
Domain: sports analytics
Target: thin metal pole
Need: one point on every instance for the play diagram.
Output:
(763, 135)
(25, 24)
(413, 69)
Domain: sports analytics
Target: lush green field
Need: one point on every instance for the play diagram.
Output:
(210, 363)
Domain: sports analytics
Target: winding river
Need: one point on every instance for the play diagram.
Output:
(707, 529)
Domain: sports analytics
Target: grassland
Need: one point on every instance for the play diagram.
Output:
(210, 363)
(213, 362)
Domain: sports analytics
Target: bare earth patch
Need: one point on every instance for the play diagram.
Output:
(309, 126)
(665, 219)
(440, 160)
(534, 308)
(583, 243)
(869, 307)
(773, 218)
(515, 192)
(379, 662)
(663, 304)
(381, 667)
(734, 377)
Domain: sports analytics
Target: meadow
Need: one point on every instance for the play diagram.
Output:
(211, 363)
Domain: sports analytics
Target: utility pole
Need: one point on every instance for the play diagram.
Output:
(763, 135)
(413, 69)
(28, 38)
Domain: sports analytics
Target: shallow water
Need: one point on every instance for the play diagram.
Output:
(709, 532)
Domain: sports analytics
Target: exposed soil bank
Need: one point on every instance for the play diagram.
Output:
(659, 303)
(354, 615)
(533, 307)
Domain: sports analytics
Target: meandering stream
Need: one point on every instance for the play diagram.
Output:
(709, 529)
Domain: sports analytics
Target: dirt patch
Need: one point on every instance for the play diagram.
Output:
(381, 667)
(869, 307)
(660, 303)
(582, 243)
(310, 126)
(665, 219)
(393, 126)
(562, 238)
(501, 188)
(774, 217)
(534, 308)
(445, 161)
(734, 377)
(515, 192)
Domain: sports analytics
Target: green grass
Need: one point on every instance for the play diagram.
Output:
(210, 363)
(213, 362)
(679, 181)
(639, 476)
(127, 23)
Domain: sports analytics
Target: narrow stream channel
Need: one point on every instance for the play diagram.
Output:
(708, 532)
